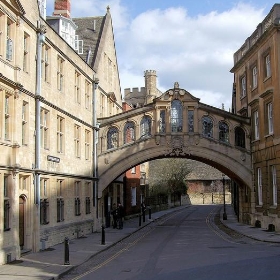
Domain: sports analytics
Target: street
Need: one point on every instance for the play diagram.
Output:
(186, 244)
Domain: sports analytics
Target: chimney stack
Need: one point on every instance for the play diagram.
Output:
(62, 7)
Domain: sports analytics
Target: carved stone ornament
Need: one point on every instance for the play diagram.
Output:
(176, 92)
(177, 147)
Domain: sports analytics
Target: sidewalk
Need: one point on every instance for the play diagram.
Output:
(248, 230)
(49, 264)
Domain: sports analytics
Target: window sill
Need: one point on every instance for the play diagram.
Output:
(266, 78)
(254, 88)
(269, 135)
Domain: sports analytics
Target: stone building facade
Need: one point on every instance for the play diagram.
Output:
(205, 185)
(49, 95)
(256, 95)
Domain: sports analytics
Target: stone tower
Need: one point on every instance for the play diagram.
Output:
(150, 85)
(62, 7)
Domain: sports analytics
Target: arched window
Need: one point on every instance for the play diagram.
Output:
(145, 126)
(207, 127)
(223, 132)
(112, 138)
(129, 132)
(239, 137)
(176, 116)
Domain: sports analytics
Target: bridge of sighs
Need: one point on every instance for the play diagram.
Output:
(176, 124)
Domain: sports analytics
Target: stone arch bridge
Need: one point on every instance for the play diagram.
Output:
(175, 124)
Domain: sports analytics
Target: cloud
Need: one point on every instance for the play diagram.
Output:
(195, 51)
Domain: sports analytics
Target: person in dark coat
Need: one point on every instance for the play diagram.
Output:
(120, 211)
(114, 213)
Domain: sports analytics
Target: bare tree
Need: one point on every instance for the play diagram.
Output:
(167, 176)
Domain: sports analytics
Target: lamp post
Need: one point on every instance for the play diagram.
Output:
(224, 191)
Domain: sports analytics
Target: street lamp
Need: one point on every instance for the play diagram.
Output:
(224, 191)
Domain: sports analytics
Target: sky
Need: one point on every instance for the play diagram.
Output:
(185, 41)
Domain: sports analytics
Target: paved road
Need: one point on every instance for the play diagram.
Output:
(187, 244)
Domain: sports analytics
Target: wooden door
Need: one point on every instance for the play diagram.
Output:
(21, 221)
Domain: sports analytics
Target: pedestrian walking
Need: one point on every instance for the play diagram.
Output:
(120, 216)
(114, 213)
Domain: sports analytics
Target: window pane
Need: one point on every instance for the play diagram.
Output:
(176, 116)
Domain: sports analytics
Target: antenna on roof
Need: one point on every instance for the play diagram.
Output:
(94, 24)
(88, 55)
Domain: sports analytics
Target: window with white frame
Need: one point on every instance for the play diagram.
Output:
(7, 122)
(77, 87)
(79, 45)
(254, 77)
(60, 73)
(45, 62)
(270, 118)
(44, 128)
(87, 95)
(256, 125)
(133, 170)
(44, 187)
(274, 185)
(259, 182)
(26, 46)
(9, 42)
(87, 144)
(24, 123)
(267, 66)
(243, 87)
(60, 134)
(2, 33)
(77, 140)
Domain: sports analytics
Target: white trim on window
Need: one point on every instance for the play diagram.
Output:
(274, 186)
(260, 197)
(270, 118)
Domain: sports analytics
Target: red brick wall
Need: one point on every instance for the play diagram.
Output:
(62, 7)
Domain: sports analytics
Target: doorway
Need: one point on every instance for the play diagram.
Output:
(22, 201)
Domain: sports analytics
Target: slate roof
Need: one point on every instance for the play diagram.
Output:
(201, 171)
(92, 30)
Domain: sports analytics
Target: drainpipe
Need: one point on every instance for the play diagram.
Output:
(95, 142)
(40, 40)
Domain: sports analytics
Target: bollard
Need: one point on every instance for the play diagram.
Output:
(103, 235)
(140, 220)
(150, 213)
(66, 251)
(144, 216)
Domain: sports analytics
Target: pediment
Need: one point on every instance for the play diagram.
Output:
(13, 5)
(177, 93)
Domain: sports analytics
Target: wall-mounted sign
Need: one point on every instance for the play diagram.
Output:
(53, 159)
